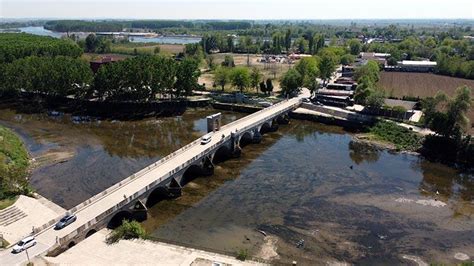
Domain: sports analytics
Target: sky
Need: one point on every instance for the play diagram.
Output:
(242, 9)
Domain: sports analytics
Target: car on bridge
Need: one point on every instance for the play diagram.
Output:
(206, 139)
(65, 221)
(25, 243)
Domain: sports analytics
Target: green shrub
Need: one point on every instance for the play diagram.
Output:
(242, 255)
(401, 137)
(128, 230)
(13, 165)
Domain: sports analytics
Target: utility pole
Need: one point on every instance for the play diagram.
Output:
(27, 256)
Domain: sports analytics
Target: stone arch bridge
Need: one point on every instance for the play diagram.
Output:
(165, 178)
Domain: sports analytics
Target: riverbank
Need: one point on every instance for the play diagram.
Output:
(95, 251)
(13, 167)
(85, 109)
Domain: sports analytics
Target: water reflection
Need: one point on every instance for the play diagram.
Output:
(361, 152)
(90, 155)
(299, 186)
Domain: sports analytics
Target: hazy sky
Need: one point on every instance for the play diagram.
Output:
(243, 9)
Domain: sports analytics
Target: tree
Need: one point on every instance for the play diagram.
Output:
(376, 98)
(370, 70)
(228, 61)
(91, 43)
(240, 78)
(309, 71)
(355, 46)
(222, 76)
(263, 87)
(327, 65)
(210, 62)
(157, 50)
(364, 89)
(58, 76)
(302, 45)
(230, 43)
(269, 86)
(288, 40)
(255, 77)
(318, 41)
(187, 75)
(453, 122)
(277, 42)
(291, 82)
(347, 59)
(195, 51)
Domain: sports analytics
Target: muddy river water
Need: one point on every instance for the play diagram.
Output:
(317, 195)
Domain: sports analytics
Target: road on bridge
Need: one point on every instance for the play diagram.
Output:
(48, 237)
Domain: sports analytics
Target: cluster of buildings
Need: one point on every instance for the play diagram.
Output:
(403, 66)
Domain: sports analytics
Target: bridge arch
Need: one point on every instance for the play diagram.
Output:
(245, 139)
(190, 174)
(118, 218)
(221, 154)
(265, 127)
(91, 232)
(157, 195)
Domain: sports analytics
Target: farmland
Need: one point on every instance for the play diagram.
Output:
(399, 84)
(146, 48)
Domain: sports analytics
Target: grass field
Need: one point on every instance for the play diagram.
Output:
(399, 84)
(146, 48)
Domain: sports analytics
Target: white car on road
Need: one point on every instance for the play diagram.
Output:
(25, 243)
(206, 139)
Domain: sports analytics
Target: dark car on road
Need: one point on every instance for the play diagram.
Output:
(65, 221)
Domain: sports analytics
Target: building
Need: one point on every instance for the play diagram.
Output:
(416, 66)
(380, 58)
(97, 63)
(407, 105)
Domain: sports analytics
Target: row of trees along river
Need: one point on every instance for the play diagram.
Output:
(53, 67)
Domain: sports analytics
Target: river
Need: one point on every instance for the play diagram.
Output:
(318, 195)
(39, 30)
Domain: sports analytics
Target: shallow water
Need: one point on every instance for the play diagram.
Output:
(347, 201)
(93, 155)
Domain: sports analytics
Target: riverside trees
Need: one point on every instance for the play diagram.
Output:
(145, 78)
(15, 46)
(55, 76)
(447, 117)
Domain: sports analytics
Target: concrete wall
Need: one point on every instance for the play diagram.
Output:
(352, 116)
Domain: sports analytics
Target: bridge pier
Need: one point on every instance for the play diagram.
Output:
(207, 167)
(283, 119)
(139, 211)
(257, 137)
(174, 189)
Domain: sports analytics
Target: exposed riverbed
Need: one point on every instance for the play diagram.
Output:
(318, 195)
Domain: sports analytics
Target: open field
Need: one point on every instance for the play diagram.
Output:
(399, 84)
(146, 48)
(272, 71)
(423, 85)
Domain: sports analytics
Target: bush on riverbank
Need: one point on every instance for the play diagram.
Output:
(128, 230)
(13, 165)
(449, 151)
(401, 137)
